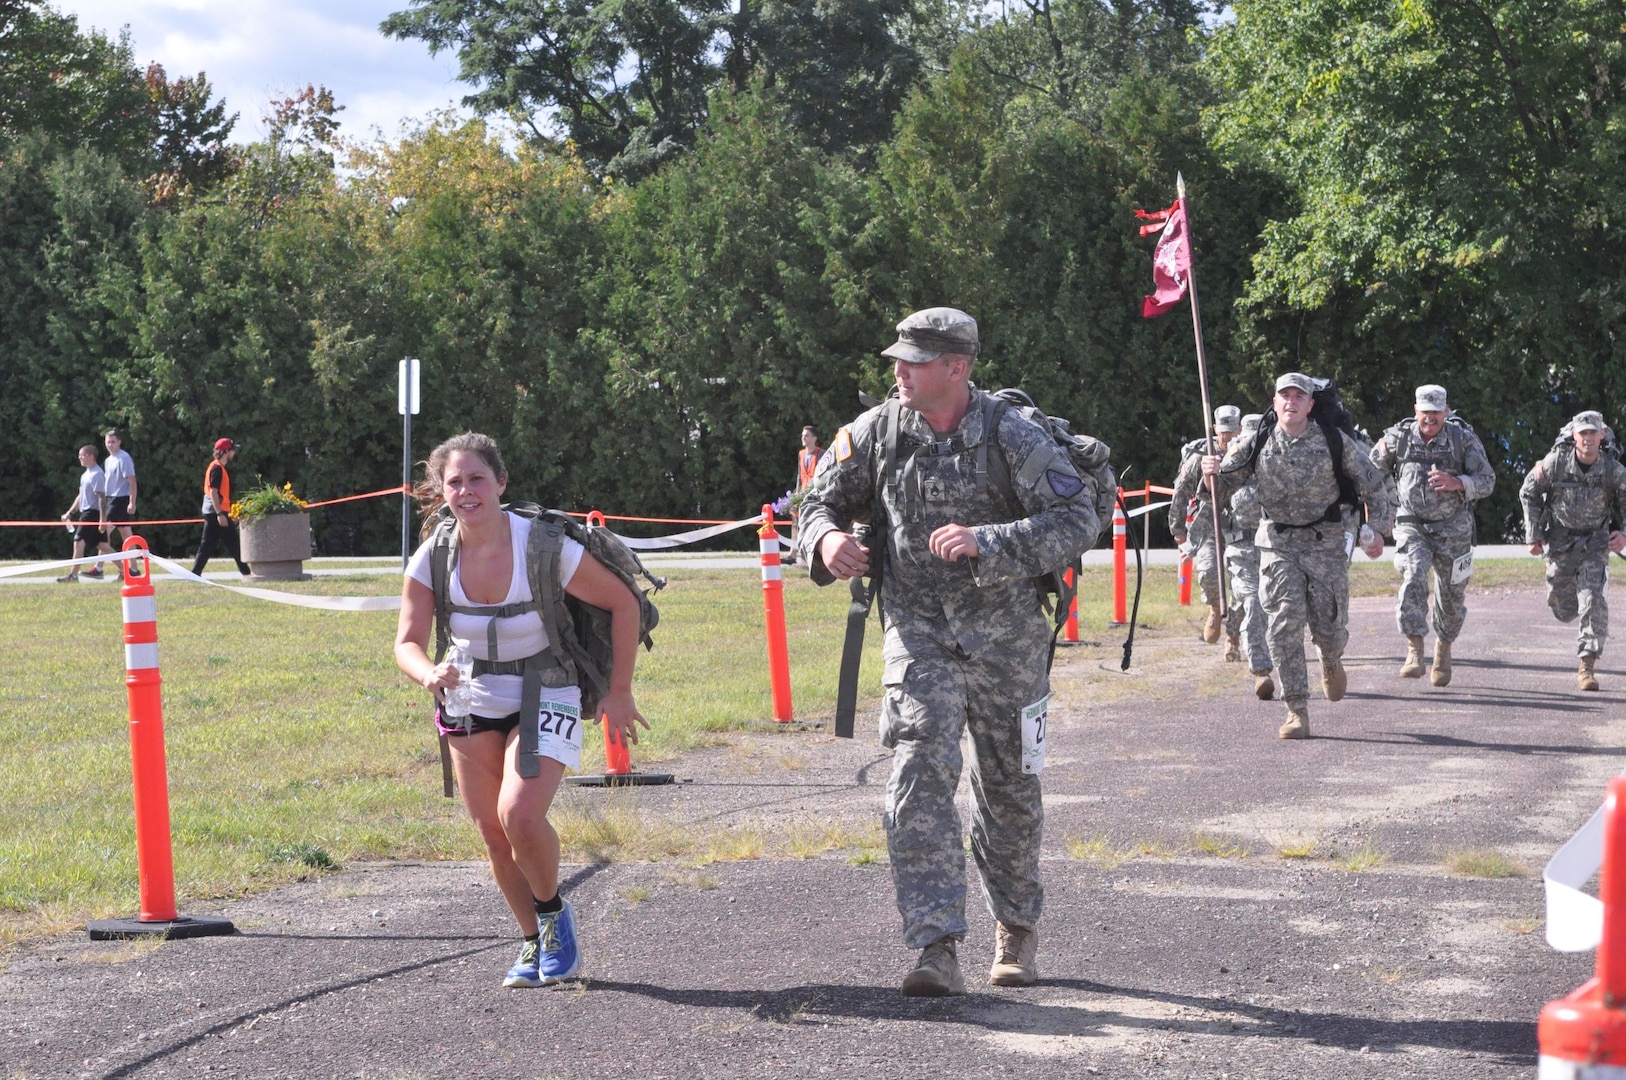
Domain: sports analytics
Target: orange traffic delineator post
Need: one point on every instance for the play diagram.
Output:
(155, 865)
(773, 605)
(1069, 630)
(1120, 562)
(1583, 1036)
(1186, 563)
(617, 757)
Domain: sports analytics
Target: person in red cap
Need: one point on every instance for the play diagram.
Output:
(217, 522)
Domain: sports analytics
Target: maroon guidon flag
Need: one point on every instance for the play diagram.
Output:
(1171, 259)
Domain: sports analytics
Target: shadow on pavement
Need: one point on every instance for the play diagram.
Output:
(1514, 1043)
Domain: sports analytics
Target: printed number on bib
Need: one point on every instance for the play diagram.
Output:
(1035, 722)
(1462, 568)
(559, 726)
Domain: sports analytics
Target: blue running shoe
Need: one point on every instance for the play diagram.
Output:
(561, 959)
(524, 972)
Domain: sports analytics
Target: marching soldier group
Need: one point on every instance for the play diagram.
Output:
(905, 496)
(1419, 482)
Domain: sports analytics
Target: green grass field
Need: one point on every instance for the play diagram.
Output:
(294, 743)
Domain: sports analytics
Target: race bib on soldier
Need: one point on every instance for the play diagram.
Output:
(844, 445)
(559, 727)
(1034, 720)
(1462, 568)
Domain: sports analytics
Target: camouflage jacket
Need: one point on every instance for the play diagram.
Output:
(1561, 498)
(1189, 488)
(934, 482)
(1404, 455)
(1297, 485)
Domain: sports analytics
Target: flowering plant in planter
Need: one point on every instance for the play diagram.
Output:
(266, 501)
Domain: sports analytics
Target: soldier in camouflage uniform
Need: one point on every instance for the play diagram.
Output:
(1304, 557)
(1242, 563)
(1570, 500)
(966, 641)
(1204, 559)
(1440, 471)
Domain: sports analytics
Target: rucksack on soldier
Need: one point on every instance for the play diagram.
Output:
(1336, 422)
(578, 633)
(1090, 457)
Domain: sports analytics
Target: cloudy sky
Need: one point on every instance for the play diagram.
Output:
(255, 49)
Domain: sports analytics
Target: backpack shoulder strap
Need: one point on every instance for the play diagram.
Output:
(1347, 495)
(442, 560)
(542, 551)
(996, 466)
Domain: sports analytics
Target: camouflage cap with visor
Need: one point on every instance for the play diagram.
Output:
(928, 334)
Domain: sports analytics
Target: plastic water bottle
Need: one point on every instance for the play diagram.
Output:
(460, 698)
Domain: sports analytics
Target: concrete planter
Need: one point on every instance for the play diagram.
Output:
(276, 546)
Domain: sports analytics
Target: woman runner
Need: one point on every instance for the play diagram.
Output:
(466, 474)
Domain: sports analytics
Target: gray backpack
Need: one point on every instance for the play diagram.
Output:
(579, 648)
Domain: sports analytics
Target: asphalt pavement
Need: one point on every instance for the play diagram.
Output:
(1220, 904)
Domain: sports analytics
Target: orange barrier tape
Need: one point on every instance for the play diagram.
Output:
(59, 523)
(396, 490)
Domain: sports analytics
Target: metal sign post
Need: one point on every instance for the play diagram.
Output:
(406, 381)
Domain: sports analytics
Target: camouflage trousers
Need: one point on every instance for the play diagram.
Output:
(1304, 582)
(1205, 567)
(1577, 584)
(1242, 563)
(934, 693)
(1419, 548)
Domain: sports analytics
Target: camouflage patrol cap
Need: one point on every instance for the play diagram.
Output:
(1431, 398)
(1587, 421)
(928, 334)
(1298, 379)
(1251, 421)
(1227, 418)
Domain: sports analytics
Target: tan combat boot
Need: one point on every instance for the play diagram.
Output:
(1413, 667)
(938, 972)
(1585, 677)
(1015, 949)
(1213, 624)
(1298, 722)
(1333, 679)
(1263, 688)
(1440, 673)
(1233, 649)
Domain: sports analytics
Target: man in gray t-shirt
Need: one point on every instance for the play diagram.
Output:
(121, 488)
(86, 513)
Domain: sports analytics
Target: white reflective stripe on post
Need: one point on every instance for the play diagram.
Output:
(1552, 1068)
(140, 609)
(141, 657)
(772, 573)
(770, 546)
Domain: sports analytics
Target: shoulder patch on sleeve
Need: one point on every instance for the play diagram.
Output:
(844, 445)
(1064, 484)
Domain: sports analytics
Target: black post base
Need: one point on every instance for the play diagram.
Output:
(637, 779)
(184, 926)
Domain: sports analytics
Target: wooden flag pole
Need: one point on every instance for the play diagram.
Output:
(1202, 380)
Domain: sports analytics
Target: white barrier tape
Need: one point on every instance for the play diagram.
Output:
(34, 568)
(660, 543)
(1574, 919)
(320, 603)
(141, 657)
(1148, 508)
